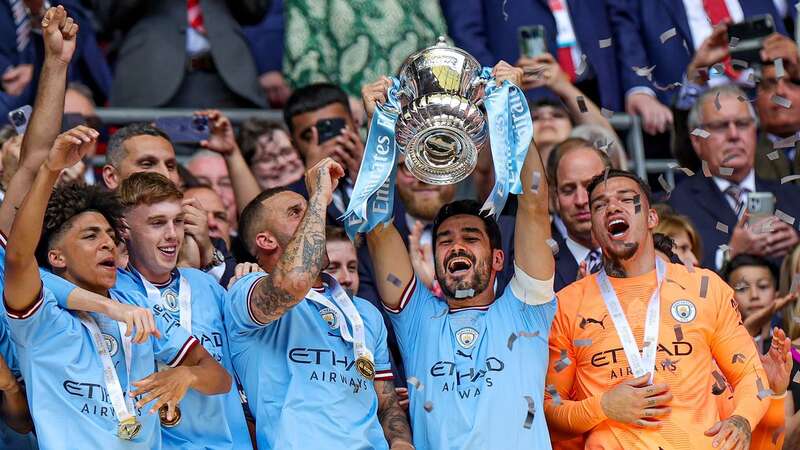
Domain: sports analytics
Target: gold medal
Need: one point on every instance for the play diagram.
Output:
(176, 416)
(129, 428)
(365, 367)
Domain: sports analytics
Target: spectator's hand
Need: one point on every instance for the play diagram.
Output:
(222, 139)
(656, 118)
(768, 237)
(348, 151)
(779, 46)
(17, 78)
(243, 269)
(275, 87)
(402, 397)
(756, 320)
(7, 379)
(421, 256)
(503, 71)
(635, 402)
(323, 178)
(731, 433)
(60, 35)
(189, 255)
(195, 224)
(375, 94)
(777, 362)
(71, 174)
(70, 147)
(543, 70)
(712, 51)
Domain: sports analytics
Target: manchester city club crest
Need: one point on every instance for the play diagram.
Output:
(329, 316)
(683, 311)
(111, 344)
(170, 298)
(466, 337)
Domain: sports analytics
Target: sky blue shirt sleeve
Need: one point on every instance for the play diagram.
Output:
(238, 317)
(417, 306)
(43, 319)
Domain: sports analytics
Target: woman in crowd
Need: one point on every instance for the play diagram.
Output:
(683, 233)
(268, 151)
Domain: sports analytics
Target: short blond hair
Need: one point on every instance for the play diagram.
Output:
(673, 224)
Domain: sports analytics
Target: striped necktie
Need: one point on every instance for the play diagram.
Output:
(594, 261)
(195, 16)
(737, 193)
(22, 24)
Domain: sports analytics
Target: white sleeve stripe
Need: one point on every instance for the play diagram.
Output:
(191, 342)
(404, 297)
(3, 240)
(529, 290)
(31, 310)
(250, 311)
(384, 375)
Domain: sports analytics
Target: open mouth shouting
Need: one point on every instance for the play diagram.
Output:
(108, 263)
(617, 228)
(459, 264)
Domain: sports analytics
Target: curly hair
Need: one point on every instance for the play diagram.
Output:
(69, 201)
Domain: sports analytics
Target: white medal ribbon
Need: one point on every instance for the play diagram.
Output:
(120, 401)
(644, 362)
(343, 308)
(184, 300)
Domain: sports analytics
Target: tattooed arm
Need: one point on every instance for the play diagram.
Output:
(298, 268)
(392, 417)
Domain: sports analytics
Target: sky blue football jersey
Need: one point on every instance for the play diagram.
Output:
(474, 375)
(216, 421)
(299, 375)
(64, 375)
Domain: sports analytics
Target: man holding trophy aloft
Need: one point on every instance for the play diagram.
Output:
(476, 361)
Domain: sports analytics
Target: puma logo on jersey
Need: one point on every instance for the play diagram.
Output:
(465, 355)
(588, 320)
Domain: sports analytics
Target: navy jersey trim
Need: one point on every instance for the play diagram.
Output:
(467, 308)
(405, 297)
(185, 349)
(27, 312)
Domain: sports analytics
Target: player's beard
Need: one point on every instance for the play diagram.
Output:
(478, 281)
(418, 209)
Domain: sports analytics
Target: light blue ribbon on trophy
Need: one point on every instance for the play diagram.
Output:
(510, 134)
(373, 194)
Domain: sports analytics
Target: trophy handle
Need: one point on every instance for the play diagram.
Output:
(479, 83)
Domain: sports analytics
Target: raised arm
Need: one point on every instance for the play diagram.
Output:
(59, 33)
(392, 417)
(223, 141)
(299, 266)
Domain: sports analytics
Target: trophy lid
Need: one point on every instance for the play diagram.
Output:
(441, 68)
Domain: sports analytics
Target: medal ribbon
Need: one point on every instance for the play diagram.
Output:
(510, 133)
(344, 308)
(644, 362)
(120, 401)
(373, 194)
(184, 299)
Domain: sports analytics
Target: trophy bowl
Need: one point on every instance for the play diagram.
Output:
(440, 127)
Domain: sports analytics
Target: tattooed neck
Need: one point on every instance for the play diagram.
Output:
(614, 269)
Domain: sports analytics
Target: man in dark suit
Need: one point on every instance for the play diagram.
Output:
(638, 27)
(571, 166)
(712, 200)
(488, 29)
(183, 53)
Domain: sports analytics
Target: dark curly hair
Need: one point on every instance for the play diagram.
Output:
(67, 202)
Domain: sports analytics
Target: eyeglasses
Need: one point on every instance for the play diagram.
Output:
(721, 126)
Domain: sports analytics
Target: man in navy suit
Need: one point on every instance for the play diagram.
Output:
(638, 27)
(488, 29)
(712, 200)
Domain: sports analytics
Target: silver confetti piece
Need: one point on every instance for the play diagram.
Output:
(689, 267)
(724, 248)
(416, 383)
(551, 389)
(772, 156)
(784, 217)
(667, 35)
(553, 245)
(781, 101)
(531, 412)
(668, 87)
(646, 72)
(739, 64)
(392, 278)
(604, 43)
(582, 104)
(503, 10)
(583, 342)
(511, 339)
(796, 378)
(664, 184)
(701, 133)
(428, 406)
(687, 171)
(582, 66)
(536, 179)
(464, 293)
(789, 178)
(528, 334)
(779, 73)
(607, 113)
(786, 142)
(563, 362)
(716, 102)
(678, 333)
(762, 392)
(605, 177)
(637, 204)
(703, 286)
(733, 42)
(726, 171)
(722, 227)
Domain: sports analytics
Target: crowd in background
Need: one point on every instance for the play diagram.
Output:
(733, 130)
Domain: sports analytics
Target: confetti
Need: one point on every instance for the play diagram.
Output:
(582, 66)
(701, 133)
(789, 178)
(514, 336)
(737, 358)
(703, 286)
(726, 171)
(511, 340)
(582, 104)
(739, 64)
(667, 35)
(733, 42)
(718, 68)
(536, 179)
(392, 278)
(706, 170)
(786, 142)
(607, 113)
(678, 333)
(721, 384)
(687, 171)
(531, 413)
(772, 156)
(604, 43)
(605, 177)
(528, 335)
(583, 342)
(428, 406)
(637, 204)
(664, 184)
(646, 72)
(551, 389)
(416, 383)
(724, 247)
(464, 293)
(689, 267)
(744, 99)
(553, 245)
(668, 87)
(795, 283)
(762, 392)
(563, 362)
(779, 73)
(784, 217)
(716, 102)
(722, 227)
(503, 10)
(796, 378)
(781, 101)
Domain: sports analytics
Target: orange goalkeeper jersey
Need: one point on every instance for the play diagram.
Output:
(699, 324)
